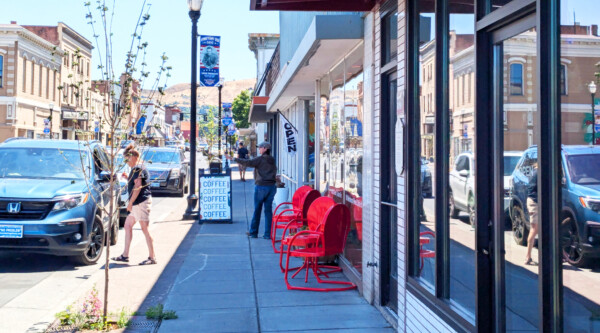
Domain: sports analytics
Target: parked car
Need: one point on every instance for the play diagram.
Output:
(168, 168)
(580, 211)
(126, 143)
(51, 193)
(462, 183)
(186, 145)
(426, 180)
(122, 173)
(175, 144)
(202, 147)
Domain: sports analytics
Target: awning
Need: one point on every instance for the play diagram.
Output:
(258, 110)
(328, 39)
(314, 5)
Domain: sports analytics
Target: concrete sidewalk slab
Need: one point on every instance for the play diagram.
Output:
(232, 283)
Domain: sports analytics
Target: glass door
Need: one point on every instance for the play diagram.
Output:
(514, 171)
(389, 194)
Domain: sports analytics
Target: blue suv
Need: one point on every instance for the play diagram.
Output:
(51, 192)
(580, 212)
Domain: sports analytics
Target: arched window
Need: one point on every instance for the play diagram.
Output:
(516, 79)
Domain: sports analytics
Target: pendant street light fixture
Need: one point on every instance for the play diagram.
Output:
(592, 89)
(190, 213)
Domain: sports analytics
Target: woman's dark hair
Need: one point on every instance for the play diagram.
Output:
(131, 151)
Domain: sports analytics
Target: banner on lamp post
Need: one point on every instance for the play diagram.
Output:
(210, 49)
(291, 135)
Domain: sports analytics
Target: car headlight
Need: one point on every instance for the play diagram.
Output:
(175, 173)
(590, 203)
(70, 202)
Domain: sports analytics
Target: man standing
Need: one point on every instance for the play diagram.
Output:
(242, 154)
(265, 171)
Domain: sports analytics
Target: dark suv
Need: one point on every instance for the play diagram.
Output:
(51, 192)
(580, 212)
(168, 168)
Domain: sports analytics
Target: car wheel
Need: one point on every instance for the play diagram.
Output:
(571, 243)
(471, 210)
(519, 227)
(94, 250)
(453, 210)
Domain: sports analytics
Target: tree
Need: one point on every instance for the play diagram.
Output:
(241, 109)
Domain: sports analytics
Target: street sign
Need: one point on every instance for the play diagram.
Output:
(226, 121)
(231, 132)
(46, 130)
(96, 129)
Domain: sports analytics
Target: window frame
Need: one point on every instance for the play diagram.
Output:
(563, 79)
(1, 70)
(510, 78)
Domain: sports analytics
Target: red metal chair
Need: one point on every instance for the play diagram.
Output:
(294, 217)
(314, 218)
(424, 253)
(330, 241)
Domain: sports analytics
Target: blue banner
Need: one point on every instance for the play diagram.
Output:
(139, 128)
(210, 48)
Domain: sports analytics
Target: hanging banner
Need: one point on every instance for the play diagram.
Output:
(210, 48)
(291, 135)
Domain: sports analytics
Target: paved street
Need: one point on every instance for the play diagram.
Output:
(33, 287)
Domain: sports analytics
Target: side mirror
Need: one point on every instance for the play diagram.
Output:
(105, 176)
(463, 173)
(564, 180)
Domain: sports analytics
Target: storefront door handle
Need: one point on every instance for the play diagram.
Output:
(371, 264)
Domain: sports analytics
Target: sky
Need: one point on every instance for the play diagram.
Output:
(168, 30)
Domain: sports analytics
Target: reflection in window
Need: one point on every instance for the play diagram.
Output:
(1, 69)
(310, 142)
(389, 45)
(580, 224)
(427, 216)
(563, 79)
(516, 79)
(324, 130)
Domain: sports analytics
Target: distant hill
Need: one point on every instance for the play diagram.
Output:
(180, 93)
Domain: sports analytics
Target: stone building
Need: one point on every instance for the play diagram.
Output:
(30, 73)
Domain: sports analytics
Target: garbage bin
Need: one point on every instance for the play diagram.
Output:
(215, 166)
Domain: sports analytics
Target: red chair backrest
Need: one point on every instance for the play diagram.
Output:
(307, 201)
(317, 211)
(337, 227)
(299, 195)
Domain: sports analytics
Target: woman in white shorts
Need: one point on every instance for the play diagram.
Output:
(532, 209)
(140, 205)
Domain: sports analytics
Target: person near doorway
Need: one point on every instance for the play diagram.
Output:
(140, 203)
(243, 154)
(532, 209)
(265, 172)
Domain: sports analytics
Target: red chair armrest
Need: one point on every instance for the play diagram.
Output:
(305, 232)
(281, 204)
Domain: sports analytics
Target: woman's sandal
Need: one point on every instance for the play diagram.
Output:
(149, 261)
(121, 258)
(530, 262)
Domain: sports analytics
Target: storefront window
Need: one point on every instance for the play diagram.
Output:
(336, 138)
(310, 142)
(580, 218)
(324, 130)
(353, 149)
(462, 157)
(521, 131)
(389, 45)
(427, 137)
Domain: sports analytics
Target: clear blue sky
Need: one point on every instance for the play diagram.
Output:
(168, 30)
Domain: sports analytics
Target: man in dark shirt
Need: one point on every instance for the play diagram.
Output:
(532, 209)
(265, 171)
(140, 204)
(243, 154)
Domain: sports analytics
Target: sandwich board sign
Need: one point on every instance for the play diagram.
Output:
(215, 197)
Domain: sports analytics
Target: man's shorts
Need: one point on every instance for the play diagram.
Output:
(242, 167)
(141, 212)
(532, 208)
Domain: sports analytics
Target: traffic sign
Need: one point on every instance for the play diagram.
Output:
(226, 121)
(46, 130)
(231, 132)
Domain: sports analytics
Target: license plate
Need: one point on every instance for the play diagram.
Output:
(155, 184)
(11, 231)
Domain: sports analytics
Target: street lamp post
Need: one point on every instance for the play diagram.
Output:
(51, 106)
(592, 89)
(190, 213)
(220, 86)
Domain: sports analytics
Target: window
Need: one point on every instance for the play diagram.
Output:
(516, 79)
(563, 79)
(1, 69)
(24, 74)
(33, 77)
(54, 85)
(389, 38)
(40, 80)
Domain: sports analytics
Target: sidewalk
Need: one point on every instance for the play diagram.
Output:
(230, 283)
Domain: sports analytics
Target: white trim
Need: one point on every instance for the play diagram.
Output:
(519, 59)
(565, 61)
(5, 100)
(3, 51)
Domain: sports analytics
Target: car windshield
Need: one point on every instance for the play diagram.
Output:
(510, 163)
(584, 169)
(44, 163)
(160, 156)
